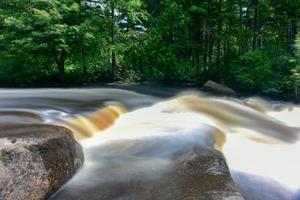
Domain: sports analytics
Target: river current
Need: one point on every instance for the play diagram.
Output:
(128, 132)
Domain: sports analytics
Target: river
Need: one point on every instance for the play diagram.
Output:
(135, 130)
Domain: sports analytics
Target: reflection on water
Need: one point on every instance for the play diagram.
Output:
(133, 136)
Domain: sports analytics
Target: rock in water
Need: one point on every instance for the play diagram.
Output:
(213, 87)
(36, 160)
(200, 173)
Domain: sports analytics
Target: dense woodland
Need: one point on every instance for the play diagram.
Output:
(249, 45)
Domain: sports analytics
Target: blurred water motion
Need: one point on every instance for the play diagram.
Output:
(127, 134)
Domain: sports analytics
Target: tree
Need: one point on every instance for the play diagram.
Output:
(42, 29)
(119, 16)
(295, 76)
(236, 42)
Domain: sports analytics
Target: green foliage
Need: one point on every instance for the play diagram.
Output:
(253, 71)
(249, 45)
(294, 80)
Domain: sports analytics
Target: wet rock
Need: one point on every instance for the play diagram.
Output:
(216, 88)
(36, 160)
(200, 173)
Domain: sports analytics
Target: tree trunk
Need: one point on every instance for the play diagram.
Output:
(279, 43)
(211, 47)
(205, 48)
(224, 52)
(61, 68)
(84, 67)
(219, 34)
(255, 25)
(60, 62)
(292, 33)
(113, 53)
(227, 53)
(240, 38)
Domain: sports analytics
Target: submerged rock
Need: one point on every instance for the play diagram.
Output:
(36, 160)
(200, 173)
(213, 87)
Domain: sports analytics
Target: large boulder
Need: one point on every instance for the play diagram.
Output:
(216, 88)
(36, 160)
(200, 173)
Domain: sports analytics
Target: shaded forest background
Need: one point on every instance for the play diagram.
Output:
(249, 45)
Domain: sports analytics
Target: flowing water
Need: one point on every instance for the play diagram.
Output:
(130, 135)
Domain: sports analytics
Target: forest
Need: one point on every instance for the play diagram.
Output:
(249, 45)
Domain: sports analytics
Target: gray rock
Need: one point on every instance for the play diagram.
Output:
(200, 173)
(36, 160)
(213, 87)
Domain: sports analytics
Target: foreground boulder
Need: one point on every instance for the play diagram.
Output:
(197, 174)
(216, 88)
(36, 160)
